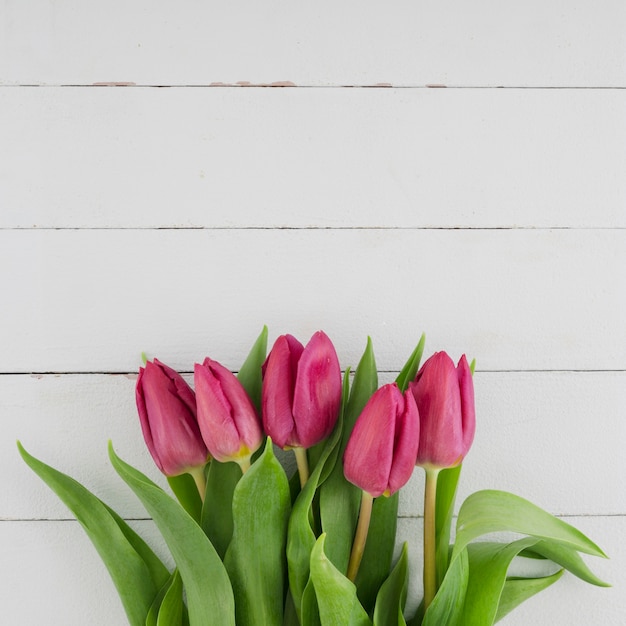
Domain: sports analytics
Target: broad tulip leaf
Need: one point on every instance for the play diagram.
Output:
(495, 511)
(444, 511)
(249, 374)
(409, 371)
(447, 605)
(136, 571)
(186, 492)
(566, 558)
(339, 499)
(300, 535)
(379, 549)
(517, 590)
(209, 594)
(217, 510)
(168, 607)
(310, 610)
(255, 559)
(392, 595)
(336, 595)
(488, 565)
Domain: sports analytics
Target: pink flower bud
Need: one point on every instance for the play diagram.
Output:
(301, 393)
(167, 413)
(445, 398)
(380, 455)
(228, 420)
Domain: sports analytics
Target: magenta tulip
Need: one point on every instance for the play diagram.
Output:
(381, 452)
(445, 399)
(167, 413)
(301, 393)
(228, 420)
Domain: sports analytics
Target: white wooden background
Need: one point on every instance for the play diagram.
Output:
(302, 165)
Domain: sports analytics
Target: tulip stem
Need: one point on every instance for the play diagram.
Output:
(197, 473)
(430, 546)
(360, 537)
(244, 464)
(303, 465)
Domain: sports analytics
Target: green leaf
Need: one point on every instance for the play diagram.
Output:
(167, 608)
(409, 371)
(209, 594)
(488, 565)
(444, 511)
(339, 499)
(447, 605)
(250, 372)
(379, 549)
(217, 510)
(392, 595)
(136, 571)
(336, 595)
(186, 492)
(495, 511)
(300, 535)
(567, 558)
(255, 559)
(310, 610)
(517, 590)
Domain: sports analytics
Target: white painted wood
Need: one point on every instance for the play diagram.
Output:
(54, 562)
(517, 299)
(551, 437)
(77, 157)
(494, 43)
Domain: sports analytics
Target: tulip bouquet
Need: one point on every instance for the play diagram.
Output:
(254, 546)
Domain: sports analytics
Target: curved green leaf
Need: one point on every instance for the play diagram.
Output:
(392, 595)
(209, 594)
(168, 606)
(495, 511)
(136, 571)
(249, 374)
(447, 605)
(409, 371)
(336, 595)
(310, 610)
(444, 506)
(255, 559)
(517, 590)
(488, 565)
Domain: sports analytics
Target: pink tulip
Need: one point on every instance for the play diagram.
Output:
(301, 393)
(445, 399)
(380, 455)
(167, 413)
(228, 420)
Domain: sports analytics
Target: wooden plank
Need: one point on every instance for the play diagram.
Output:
(91, 301)
(538, 435)
(555, 44)
(262, 158)
(55, 561)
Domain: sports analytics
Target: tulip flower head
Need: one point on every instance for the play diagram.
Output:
(381, 452)
(167, 413)
(444, 395)
(301, 393)
(228, 420)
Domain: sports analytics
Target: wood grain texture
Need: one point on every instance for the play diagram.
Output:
(341, 158)
(496, 43)
(93, 300)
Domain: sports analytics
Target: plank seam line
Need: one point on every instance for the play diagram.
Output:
(325, 228)
(382, 86)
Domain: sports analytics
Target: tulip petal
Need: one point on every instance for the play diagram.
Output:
(468, 410)
(317, 393)
(406, 442)
(277, 393)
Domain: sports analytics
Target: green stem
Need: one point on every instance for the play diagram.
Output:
(430, 546)
(197, 473)
(244, 463)
(360, 537)
(303, 465)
